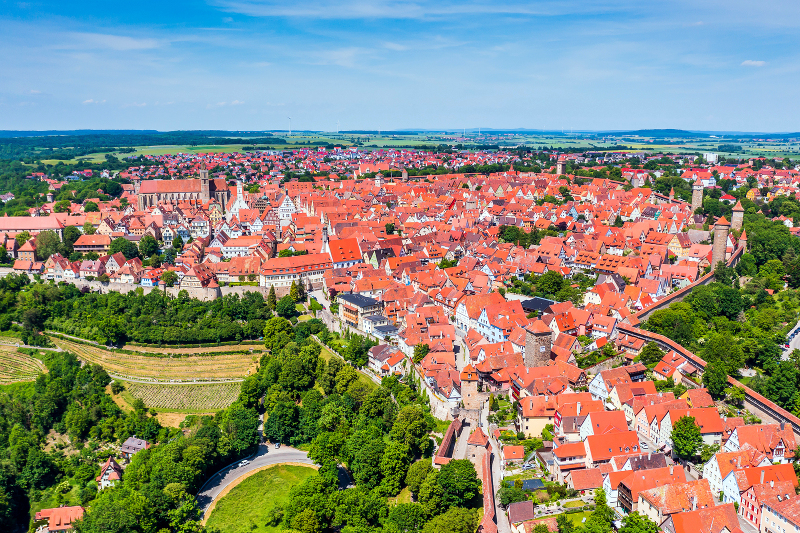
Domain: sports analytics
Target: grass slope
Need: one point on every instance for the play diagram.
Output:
(246, 507)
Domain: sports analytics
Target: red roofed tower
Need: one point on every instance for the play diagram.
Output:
(697, 195)
(737, 217)
(721, 229)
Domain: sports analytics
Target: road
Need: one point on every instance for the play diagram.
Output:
(794, 344)
(265, 456)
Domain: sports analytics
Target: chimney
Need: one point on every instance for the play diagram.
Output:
(649, 455)
(694, 503)
(762, 478)
(783, 425)
(579, 408)
(771, 483)
(671, 468)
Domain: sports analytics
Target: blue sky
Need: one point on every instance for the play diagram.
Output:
(731, 65)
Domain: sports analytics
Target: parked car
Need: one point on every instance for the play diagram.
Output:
(645, 446)
(244, 463)
(277, 445)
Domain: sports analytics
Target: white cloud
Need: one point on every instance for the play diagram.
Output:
(237, 102)
(395, 46)
(410, 9)
(751, 63)
(92, 101)
(111, 42)
(135, 104)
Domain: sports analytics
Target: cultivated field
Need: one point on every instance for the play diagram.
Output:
(178, 350)
(189, 368)
(16, 367)
(212, 397)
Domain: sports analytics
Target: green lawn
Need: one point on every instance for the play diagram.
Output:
(303, 318)
(246, 507)
(577, 518)
(576, 503)
(403, 497)
(300, 308)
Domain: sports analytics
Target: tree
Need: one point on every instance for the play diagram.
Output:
(636, 523)
(686, 437)
(431, 494)
(272, 299)
(117, 387)
(406, 517)
(177, 242)
(550, 282)
(88, 229)
(70, 235)
(278, 332)
(170, 278)
(565, 525)
(91, 207)
(306, 522)
(513, 494)
(22, 238)
(411, 427)
(736, 396)
(62, 206)
(285, 307)
(47, 243)
(455, 520)
(293, 292)
(124, 246)
(420, 351)
(715, 379)
(389, 227)
(781, 386)
(281, 425)
(344, 378)
(148, 246)
(747, 266)
(459, 481)
(394, 466)
(416, 475)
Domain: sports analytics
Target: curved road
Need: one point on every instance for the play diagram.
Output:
(266, 455)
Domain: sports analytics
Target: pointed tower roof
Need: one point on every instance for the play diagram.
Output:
(697, 183)
(538, 327)
(743, 236)
(478, 438)
(722, 222)
(672, 191)
(738, 206)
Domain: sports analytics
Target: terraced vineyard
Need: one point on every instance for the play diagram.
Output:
(212, 397)
(200, 368)
(16, 367)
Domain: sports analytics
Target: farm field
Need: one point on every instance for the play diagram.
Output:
(195, 398)
(246, 506)
(164, 369)
(16, 367)
(178, 350)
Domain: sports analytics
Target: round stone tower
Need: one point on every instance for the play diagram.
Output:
(721, 230)
(538, 344)
(737, 217)
(697, 195)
